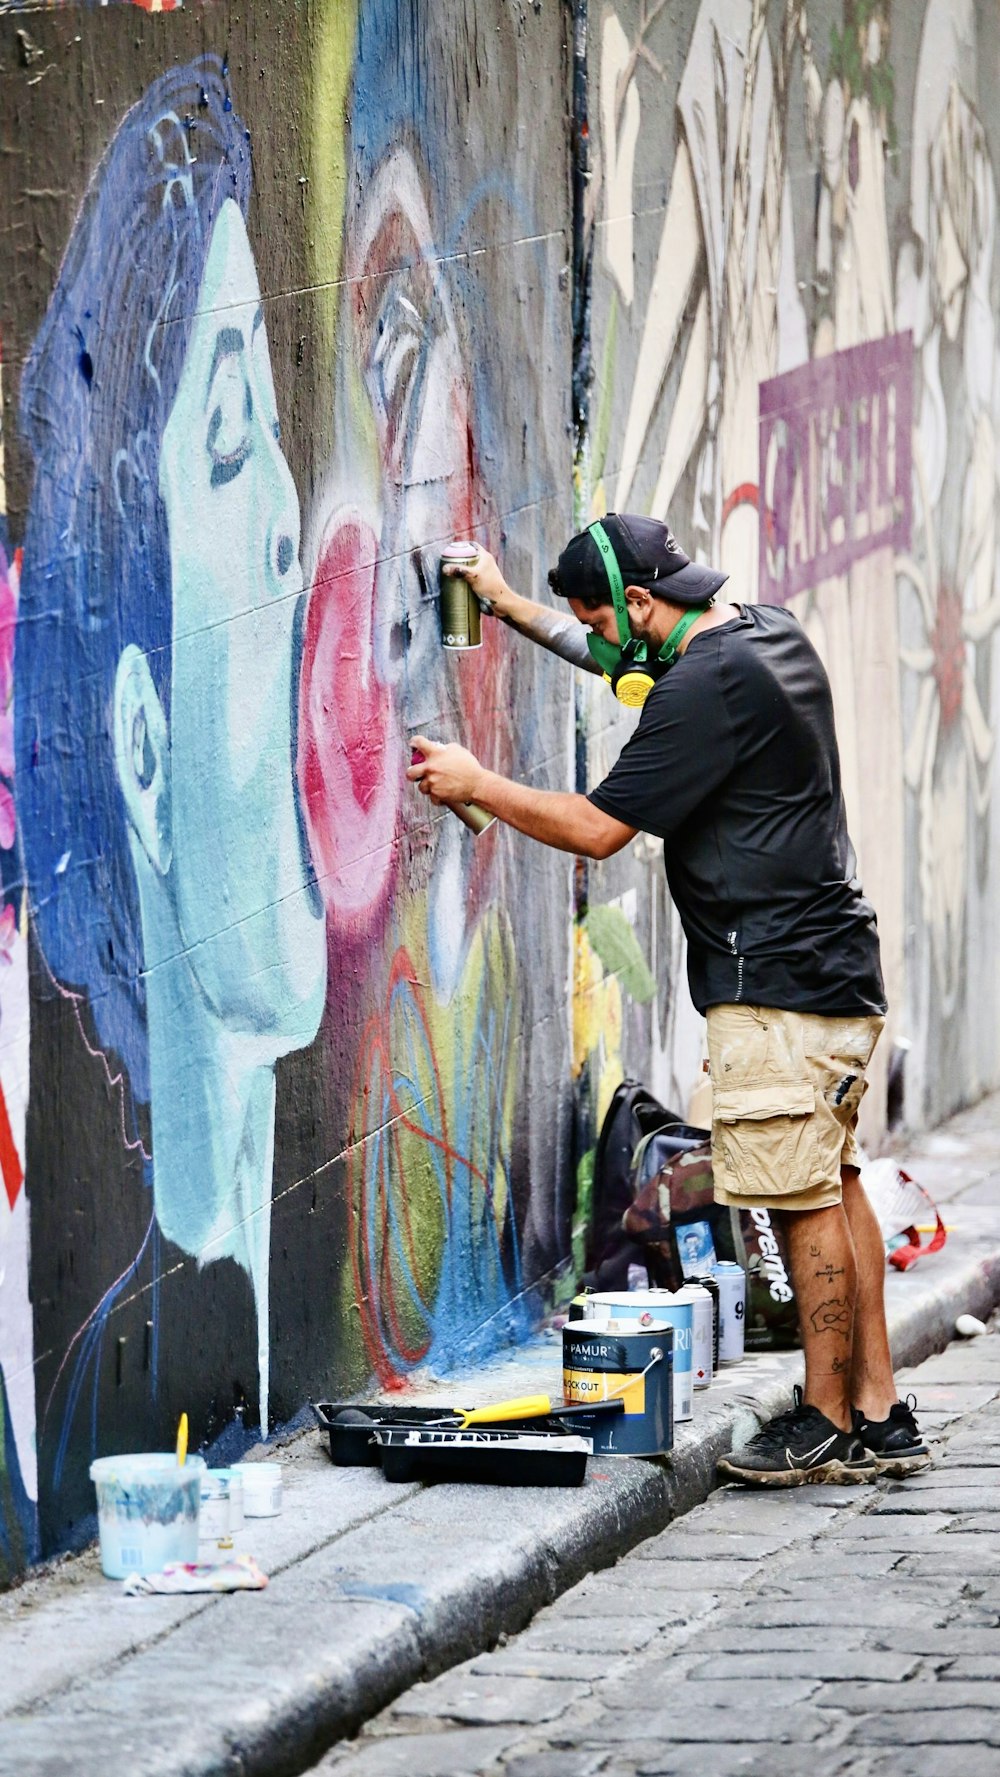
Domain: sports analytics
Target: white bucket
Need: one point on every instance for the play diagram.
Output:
(261, 1488)
(147, 1511)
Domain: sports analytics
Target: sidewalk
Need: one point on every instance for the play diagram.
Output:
(839, 1631)
(374, 1586)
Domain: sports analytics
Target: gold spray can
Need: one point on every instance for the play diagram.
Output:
(477, 819)
(460, 609)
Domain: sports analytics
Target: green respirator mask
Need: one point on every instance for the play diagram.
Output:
(630, 669)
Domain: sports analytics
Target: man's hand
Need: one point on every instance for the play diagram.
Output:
(445, 773)
(554, 817)
(487, 582)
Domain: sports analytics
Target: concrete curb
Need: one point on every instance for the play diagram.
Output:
(264, 1685)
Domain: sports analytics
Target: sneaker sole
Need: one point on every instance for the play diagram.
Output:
(898, 1467)
(833, 1474)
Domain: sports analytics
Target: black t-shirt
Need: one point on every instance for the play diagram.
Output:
(734, 764)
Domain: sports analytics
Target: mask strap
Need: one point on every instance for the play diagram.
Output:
(615, 580)
(671, 647)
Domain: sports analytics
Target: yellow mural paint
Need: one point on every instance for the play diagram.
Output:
(331, 73)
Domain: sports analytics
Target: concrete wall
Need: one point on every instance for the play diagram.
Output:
(795, 282)
(296, 1080)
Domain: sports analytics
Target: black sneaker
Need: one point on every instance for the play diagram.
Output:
(895, 1442)
(796, 1448)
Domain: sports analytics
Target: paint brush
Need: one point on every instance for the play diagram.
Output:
(182, 1440)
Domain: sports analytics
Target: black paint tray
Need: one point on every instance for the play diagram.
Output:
(500, 1458)
(355, 1446)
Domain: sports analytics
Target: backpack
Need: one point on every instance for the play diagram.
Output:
(652, 1181)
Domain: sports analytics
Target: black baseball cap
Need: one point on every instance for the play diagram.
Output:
(648, 555)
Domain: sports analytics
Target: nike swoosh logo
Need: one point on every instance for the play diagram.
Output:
(809, 1455)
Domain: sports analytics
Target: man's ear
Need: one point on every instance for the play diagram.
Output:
(142, 756)
(639, 601)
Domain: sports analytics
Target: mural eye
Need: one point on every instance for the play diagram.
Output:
(229, 441)
(400, 342)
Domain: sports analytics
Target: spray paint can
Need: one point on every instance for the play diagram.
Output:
(469, 813)
(646, 1307)
(460, 608)
(702, 1332)
(732, 1282)
(710, 1283)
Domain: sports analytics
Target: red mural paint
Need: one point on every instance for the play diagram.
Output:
(350, 753)
(10, 1164)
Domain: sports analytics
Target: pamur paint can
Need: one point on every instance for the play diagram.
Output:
(460, 608)
(710, 1283)
(605, 1360)
(646, 1306)
(702, 1332)
(732, 1282)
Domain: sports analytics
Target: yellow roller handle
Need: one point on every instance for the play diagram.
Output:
(529, 1406)
(182, 1440)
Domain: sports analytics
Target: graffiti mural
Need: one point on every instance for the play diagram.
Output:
(161, 576)
(441, 1252)
(768, 339)
(285, 1015)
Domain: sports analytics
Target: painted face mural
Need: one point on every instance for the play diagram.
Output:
(435, 1237)
(167, 869)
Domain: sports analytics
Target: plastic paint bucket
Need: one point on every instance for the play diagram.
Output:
(261, 1488)
(732, 1282)
(147, 1511)
(602, 1363)
(644, 1307)
(703, 1329)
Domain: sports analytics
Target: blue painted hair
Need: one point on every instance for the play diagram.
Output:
(96, 395)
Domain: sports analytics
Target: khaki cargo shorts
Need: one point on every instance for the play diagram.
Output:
(786, 1087)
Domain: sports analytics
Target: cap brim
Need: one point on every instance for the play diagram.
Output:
(694, 584)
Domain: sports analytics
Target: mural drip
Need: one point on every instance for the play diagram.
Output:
(161, 585)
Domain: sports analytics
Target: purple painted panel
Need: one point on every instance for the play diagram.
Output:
(835, 459)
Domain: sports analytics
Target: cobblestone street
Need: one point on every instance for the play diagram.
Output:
(850, 1630)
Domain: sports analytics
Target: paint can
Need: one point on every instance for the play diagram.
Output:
(732, 1282)
(605, 1361)
(710, 1283)
(460, 608)
(645, 1307)
(702, 1332)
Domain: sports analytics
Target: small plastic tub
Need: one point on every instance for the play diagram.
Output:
(261, 1488)
(147, 1511)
